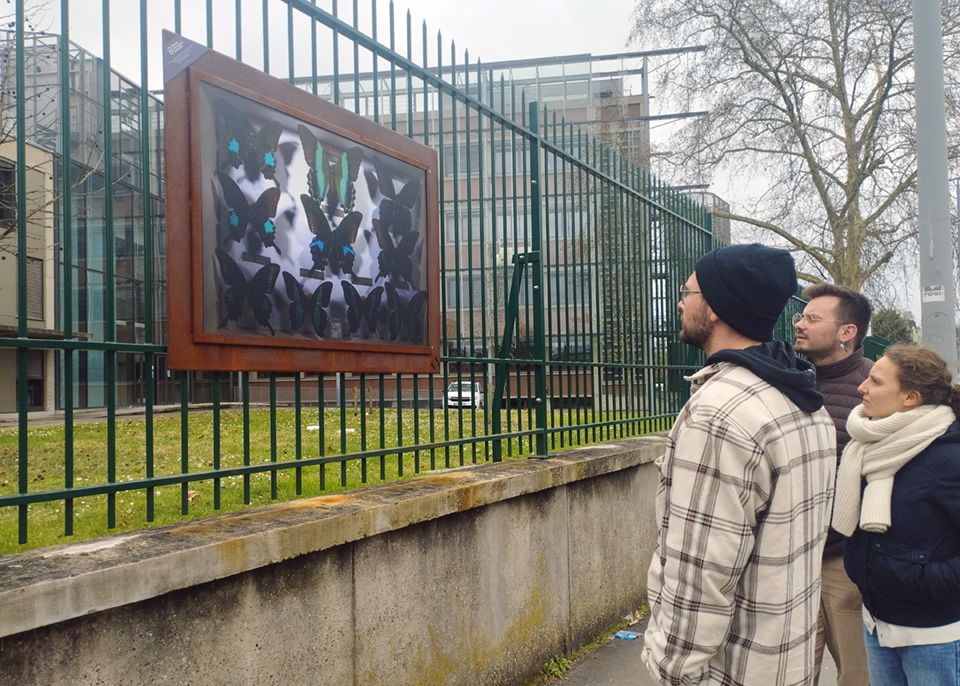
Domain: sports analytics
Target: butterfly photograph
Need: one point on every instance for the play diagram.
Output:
(305, 228)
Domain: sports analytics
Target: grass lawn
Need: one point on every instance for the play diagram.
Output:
(45, 469)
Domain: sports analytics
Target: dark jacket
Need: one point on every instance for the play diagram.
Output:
(910, 575)
(838, 383)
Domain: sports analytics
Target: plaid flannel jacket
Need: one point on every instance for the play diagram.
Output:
(746, 488)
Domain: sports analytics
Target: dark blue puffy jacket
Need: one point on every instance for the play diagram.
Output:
(910, 575)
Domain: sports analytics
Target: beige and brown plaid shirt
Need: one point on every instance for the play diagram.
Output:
(746, 487)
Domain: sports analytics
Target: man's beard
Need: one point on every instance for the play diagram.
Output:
(695, 329)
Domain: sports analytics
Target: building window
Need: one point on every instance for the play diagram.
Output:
(8, 197)
(34, 288)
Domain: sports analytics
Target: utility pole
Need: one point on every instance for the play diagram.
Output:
(937, 290)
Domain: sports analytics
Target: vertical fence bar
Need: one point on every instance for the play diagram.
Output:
(149, 360)
(444, 336)
(66, 252)
(265, 15)
(342, 402)
(184, 438)
(538, 304)
(110, 356)
(22, 352)
(399, 401)
(363, 426)
(273, 435)
(458, 280)
(298, 433)
(321, 428)
(245, 403)
(383, 430)
(216, 439)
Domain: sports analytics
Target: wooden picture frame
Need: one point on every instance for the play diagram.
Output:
(279, 205)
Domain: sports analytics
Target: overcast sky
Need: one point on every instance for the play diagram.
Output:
(490, 29)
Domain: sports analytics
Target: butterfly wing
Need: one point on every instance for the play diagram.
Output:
(401, 221)
(264, 211)
(409, 194)
(385, 178)
(313, 153)
(262, 154)
(373, 185)
(344, 236)
(320, 246)
(238, 209)
(403, 261)
(347, 229)
(388, 209)
(298, 301)
(387, 249)
(319, 301)
(395, 313)
(372, 307)
(236, 282)
(233, 136)
(354, 302)
(287, 151)
(354, 158)
(413, 316)
(259, 292)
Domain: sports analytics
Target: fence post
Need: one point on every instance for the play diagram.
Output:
(539, 339)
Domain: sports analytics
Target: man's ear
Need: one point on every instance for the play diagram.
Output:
(848, 333)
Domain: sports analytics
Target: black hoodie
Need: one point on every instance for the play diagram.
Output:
(776, 363)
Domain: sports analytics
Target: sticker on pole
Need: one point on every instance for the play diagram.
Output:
(934, 294)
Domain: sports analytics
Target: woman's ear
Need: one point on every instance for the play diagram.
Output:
(912, 399)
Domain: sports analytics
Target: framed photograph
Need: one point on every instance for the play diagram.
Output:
(300, 236)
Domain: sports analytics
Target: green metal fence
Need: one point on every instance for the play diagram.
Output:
(560, 262)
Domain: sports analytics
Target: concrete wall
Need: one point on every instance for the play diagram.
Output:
(469, 576)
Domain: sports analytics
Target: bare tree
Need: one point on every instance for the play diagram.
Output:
(42, 101)
(813, 102)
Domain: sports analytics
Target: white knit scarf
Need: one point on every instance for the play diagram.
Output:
(877, 449)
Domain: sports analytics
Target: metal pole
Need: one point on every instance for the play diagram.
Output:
(937, 291)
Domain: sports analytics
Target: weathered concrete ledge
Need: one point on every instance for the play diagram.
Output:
(53, 586)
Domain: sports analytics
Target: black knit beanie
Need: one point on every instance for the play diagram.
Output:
(747, 286)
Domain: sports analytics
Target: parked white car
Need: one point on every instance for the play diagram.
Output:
(464, 394)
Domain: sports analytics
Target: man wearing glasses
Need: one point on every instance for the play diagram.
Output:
(746, 488)
(830, 333)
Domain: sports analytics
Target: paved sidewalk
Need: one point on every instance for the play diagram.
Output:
(617, 663)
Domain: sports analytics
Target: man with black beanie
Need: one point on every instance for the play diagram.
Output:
(746, 486)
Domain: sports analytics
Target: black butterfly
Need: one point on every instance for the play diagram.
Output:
(239, 144)
(331, 177)
(312, 308)
(395, 261)
(395, 207)
(404, 320)
(241, 214)
(362, 309)
(333, 246)
(233, 136)
(256, 292)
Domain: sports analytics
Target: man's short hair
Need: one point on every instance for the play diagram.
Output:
(854, 308)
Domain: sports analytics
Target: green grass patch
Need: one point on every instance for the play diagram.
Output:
(342, 433)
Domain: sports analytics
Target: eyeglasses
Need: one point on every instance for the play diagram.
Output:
(812, 319)
(684, 292)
